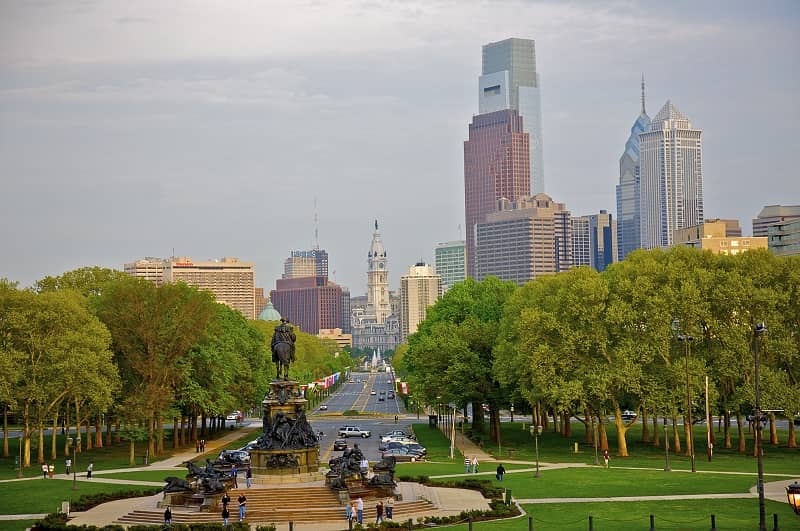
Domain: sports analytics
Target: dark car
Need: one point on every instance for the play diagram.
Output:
(403, 454)
(391, 394)
(416, 447)
(752, 418)
(234, 457)
(340, 444)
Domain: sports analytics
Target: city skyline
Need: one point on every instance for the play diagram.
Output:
(151, 130)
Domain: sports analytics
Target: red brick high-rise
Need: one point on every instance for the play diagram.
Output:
(496, 166)
(310, 303)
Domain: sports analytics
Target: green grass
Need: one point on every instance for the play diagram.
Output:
(46, 495)
(15, 525)
(146, 475)
(689, 515)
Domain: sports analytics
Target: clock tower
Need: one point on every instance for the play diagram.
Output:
(378, 279)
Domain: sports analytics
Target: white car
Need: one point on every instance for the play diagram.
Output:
(323, 407)
(234, 415)
(394, 438)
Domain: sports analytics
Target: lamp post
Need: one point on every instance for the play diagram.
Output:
(759, 330)
(686, 339)
(793, 495)
(75, 461)
(536, 431)
(667, 468)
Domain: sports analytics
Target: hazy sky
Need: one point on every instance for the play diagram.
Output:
(129, 129)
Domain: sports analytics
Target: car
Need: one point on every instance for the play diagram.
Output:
(403, 444)
(391, 394)
(383, 392)
(403, 454)
(628, 415)
(353, 431)
(381, 399)
(397, 433)
(401, 440)
(340, 444)
(323, 407)
(752, 418)
(234, 457)
(373, 392)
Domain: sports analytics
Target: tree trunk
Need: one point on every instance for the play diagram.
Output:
(182, 433)
(132, 452)
(67, 448)
(40, 455)
(622, 443)
(160, 445)
(773, 430)
(193, 422)
(98, 432)
(108, 431)
(175, 433)
(494, 419)
(5, 431)
(740, 428)
(645, 427)
(54, 439)
(602, 430)
(26, 456)
(792, 441)
(676, 435)
(477, 417)
(203, 429)
(77, 426)
(656, 436)
(118, 432)
(588, 436)
(727, 434)
(566, 425)
(687, 435)
(151, 443)
(89, 444)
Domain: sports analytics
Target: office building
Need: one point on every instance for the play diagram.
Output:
(451, 264)
(419, 288)
(528, 238)
(495, 167)
(336, 335)
(581, 241)
(230, 280)
(344, 322)
(772, 214)
(312, 263)
(310, 303)
(628, 189)
(509, 80)
(671, 192)
(260, 300)
(719, 236)
(148, 268)
(784, 237)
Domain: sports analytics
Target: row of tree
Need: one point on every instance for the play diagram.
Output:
(585, 344)
(98, 346)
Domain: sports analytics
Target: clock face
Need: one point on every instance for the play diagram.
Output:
(380, 265)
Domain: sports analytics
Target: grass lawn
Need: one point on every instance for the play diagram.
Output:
(690, 515)
(45, 496)
(146, 475)
(15, 525)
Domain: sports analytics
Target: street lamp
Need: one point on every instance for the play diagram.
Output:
(75, 461)
(793, 495)
(666, 446)
(758, 331)
(686, 340)
(536, 431)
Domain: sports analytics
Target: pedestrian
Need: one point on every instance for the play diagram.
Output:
(167, 517)
(467, 463)
(51, 469)
(45, 470)
(395, 419)
(225, 500)
(379, 512)
(249, 476)
(242, 499)
(475, 464)
(197, 446)
(605, 457)
(360, 510)
(202, 445)
(500, 471)
(89, 471)
(348, 512)
(234, 474)
(68, 464)
(389, 505)
(225, 515)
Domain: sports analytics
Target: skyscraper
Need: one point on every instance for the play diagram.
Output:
(378, 279)
(451, 262)
(509, 81)
(671, 177)
(594, 240)
(628, 189)
(231, 281)
(769, 215)
(312, 263)
(419, 289)
(495, 167)
(312, 303)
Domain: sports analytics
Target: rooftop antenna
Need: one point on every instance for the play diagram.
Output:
(643, 111)
(316, 226)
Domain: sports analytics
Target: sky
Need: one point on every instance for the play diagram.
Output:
(212, 128)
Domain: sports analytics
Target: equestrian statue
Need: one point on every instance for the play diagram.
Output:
(283, 348)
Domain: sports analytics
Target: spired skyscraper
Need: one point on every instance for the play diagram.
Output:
(671, 177)
(628, 189)
(509, 81)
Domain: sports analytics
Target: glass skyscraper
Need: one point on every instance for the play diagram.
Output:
(509, 81)
(451, 263)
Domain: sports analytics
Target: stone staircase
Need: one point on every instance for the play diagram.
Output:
(268, 505)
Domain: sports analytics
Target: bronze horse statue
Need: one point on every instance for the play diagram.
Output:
(283, 348)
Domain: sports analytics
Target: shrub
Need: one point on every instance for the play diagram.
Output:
(350, 413)
(269, 527)
(87, 501)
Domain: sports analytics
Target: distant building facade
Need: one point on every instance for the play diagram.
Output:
(260, 300)
(311, 303)
(419, 289)
(230, 280)
(628, 190)
(594, 241)
(451, 262)
(784, 237)
(527, 239)
(335, 334)
(312, 263)
(772, 214)
(148, 268)
(671, 190)
(718, 236)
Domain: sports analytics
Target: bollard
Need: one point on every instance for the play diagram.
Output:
(713, 522)
(349, 524)
(530, 523)
(775, 522)
(291, 526)
(469, 522)
(652, 523)
(591, 523)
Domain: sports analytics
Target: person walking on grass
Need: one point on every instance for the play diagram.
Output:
(475, 465)
(69, 465)
(467, 463)
(44, 470)
(500, 471)
(605, 457)
(51, 469)
(89, 471)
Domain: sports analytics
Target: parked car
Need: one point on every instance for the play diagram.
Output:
(402, 444)
(397, 433)
(249, 446)
(628, 415)
(752, 418)
(373, 392)
(340, 444)
(403, 454)
(353, 431)
(391, 394)
(234, 457)
(323, 407)
(235, 415)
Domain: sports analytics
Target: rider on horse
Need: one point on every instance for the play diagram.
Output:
(283, 334)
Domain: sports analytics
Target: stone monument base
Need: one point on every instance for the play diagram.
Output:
(284, 462)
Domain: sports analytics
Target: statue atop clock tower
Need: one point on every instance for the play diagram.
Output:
(377, 280)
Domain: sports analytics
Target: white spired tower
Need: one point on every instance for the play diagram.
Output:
(671, 168)
(378, 280)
